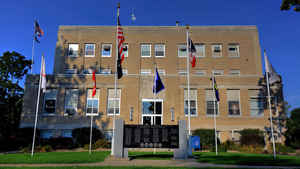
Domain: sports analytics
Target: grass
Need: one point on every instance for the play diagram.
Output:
(247, 159)
(53, 157)
(151, 155)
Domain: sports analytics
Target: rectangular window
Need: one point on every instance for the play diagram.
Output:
(256, 103)
(70, 71)
(146, 72)
(113, 101)
(89, 50)
(159, 50)
(234, 72)
(47, 134)
(212, 105)
(50, 101)
(145, 50)
(106, 50)
(182, 72)
(200, 72)
(67, 133)
(233, 98)
(92, 103)
(73, 50)
(200, 50)
(193, 102)
(161, 72)
(216, 50)
(125, 71)
(233, 50)
(105, 71)
(182, 52)
(71, 101)
(125, 50)
(218, 72)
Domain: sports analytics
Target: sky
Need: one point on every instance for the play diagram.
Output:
(279, 31)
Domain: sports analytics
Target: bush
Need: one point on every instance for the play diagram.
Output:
(59, 143)
(102, 143)
(207, 138)
(231, 145)
(253, 137)
(251, 149)
(221, 148)
(82, 135)
(282, 149)
(46, 148)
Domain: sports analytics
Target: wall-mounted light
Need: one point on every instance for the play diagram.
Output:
(131, 114)
(172, 114)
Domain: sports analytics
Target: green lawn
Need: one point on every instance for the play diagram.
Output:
(151, 155)
(53, 157)
(247, 159)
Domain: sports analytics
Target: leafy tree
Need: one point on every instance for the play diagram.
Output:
(292, 133)
(287, 4)
(13, 67)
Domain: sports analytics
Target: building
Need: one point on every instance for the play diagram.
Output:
(231, 53)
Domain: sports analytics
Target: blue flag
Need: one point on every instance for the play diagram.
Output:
(216, 89)
(158, 85)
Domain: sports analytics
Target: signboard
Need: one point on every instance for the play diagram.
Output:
(147, 136)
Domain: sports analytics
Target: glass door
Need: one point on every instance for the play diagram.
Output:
(152, 111)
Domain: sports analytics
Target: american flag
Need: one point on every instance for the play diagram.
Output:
(120, 40)
(192, 52)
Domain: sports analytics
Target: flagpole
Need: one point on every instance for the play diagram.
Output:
(91, 131)
(188, 78)
(116, 71)
(32, 50)
(271, 119)
(215, 123)
(36, 111)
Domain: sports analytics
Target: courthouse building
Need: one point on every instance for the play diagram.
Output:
(231, 53)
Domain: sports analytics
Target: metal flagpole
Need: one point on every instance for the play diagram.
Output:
(215, 123)
(188, 78)
(32, 51)
(116, 74)
(154, 97)
(91, 131)
(36, 111)
(271, 119)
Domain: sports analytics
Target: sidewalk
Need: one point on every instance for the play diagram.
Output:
(161, 163)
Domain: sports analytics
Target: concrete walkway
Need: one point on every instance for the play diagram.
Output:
(161, 163)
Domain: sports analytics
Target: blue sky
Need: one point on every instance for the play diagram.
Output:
(279, 31)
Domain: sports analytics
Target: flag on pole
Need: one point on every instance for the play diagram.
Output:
(94, 79)
(121, 40)
(38, 32)
(273, 76)
(43, 75)
(158, 85)
(192, 52)
(216, 89)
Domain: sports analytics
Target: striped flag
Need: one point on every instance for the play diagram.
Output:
(121, 40)
(43, 75)
(38, 32)
(192, 52)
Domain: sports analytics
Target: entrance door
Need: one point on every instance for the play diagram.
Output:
(152, 111)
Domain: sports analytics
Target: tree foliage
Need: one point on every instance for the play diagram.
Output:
(287, 4)
(207, 138)
(254, 137)
(13, 67)
(292, 133)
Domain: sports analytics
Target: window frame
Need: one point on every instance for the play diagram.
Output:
(196, 104)
(237, 51)
(213, 50)
(65, 100)
(239, 100)
(218, 71)
(92, 99)
(145, 44)
(112, 99)
(77, 54)
(85, 50)
(197, 51)
(234, 72)
(178, 50)
(211, 100)
(164, 50)
(44, 102)
(102, 49)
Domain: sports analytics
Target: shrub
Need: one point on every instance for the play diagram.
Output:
(253, 137)
(282, 149)
(221, 148)
(59, 143)
(231, 145)
(82, 135)
(207, 137)
(251, 149)
(102, 143)
(39, 148)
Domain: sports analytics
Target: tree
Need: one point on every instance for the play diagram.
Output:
(292, 133)
(13, 67)
(287, 4)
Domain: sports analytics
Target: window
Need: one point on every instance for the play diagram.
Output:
(105, 71)
(200, 50)
(234, 72)
(125, 50)
(159, 50)
(146, 50)
(106, 50)
(73, 50)
(89, 50)
(50, 101)
(88, 71)
(212, 105)
(256, 103)
(182, 50)
(67, 133)
(233, 98)
(146, 72)
(216, 50)
(182, 72)
(233, 50)
(218, 72)
(92, 102)
(125, 71)
(200, 72)
(70, 71)
(193, 102)
(113, 101)
(161, 72)
(46, 134)
(71, 101)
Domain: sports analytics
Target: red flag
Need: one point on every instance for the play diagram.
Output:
(94, 79)
(192, 52)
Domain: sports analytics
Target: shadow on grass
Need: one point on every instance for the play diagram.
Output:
(248, 159)
(150, 156)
